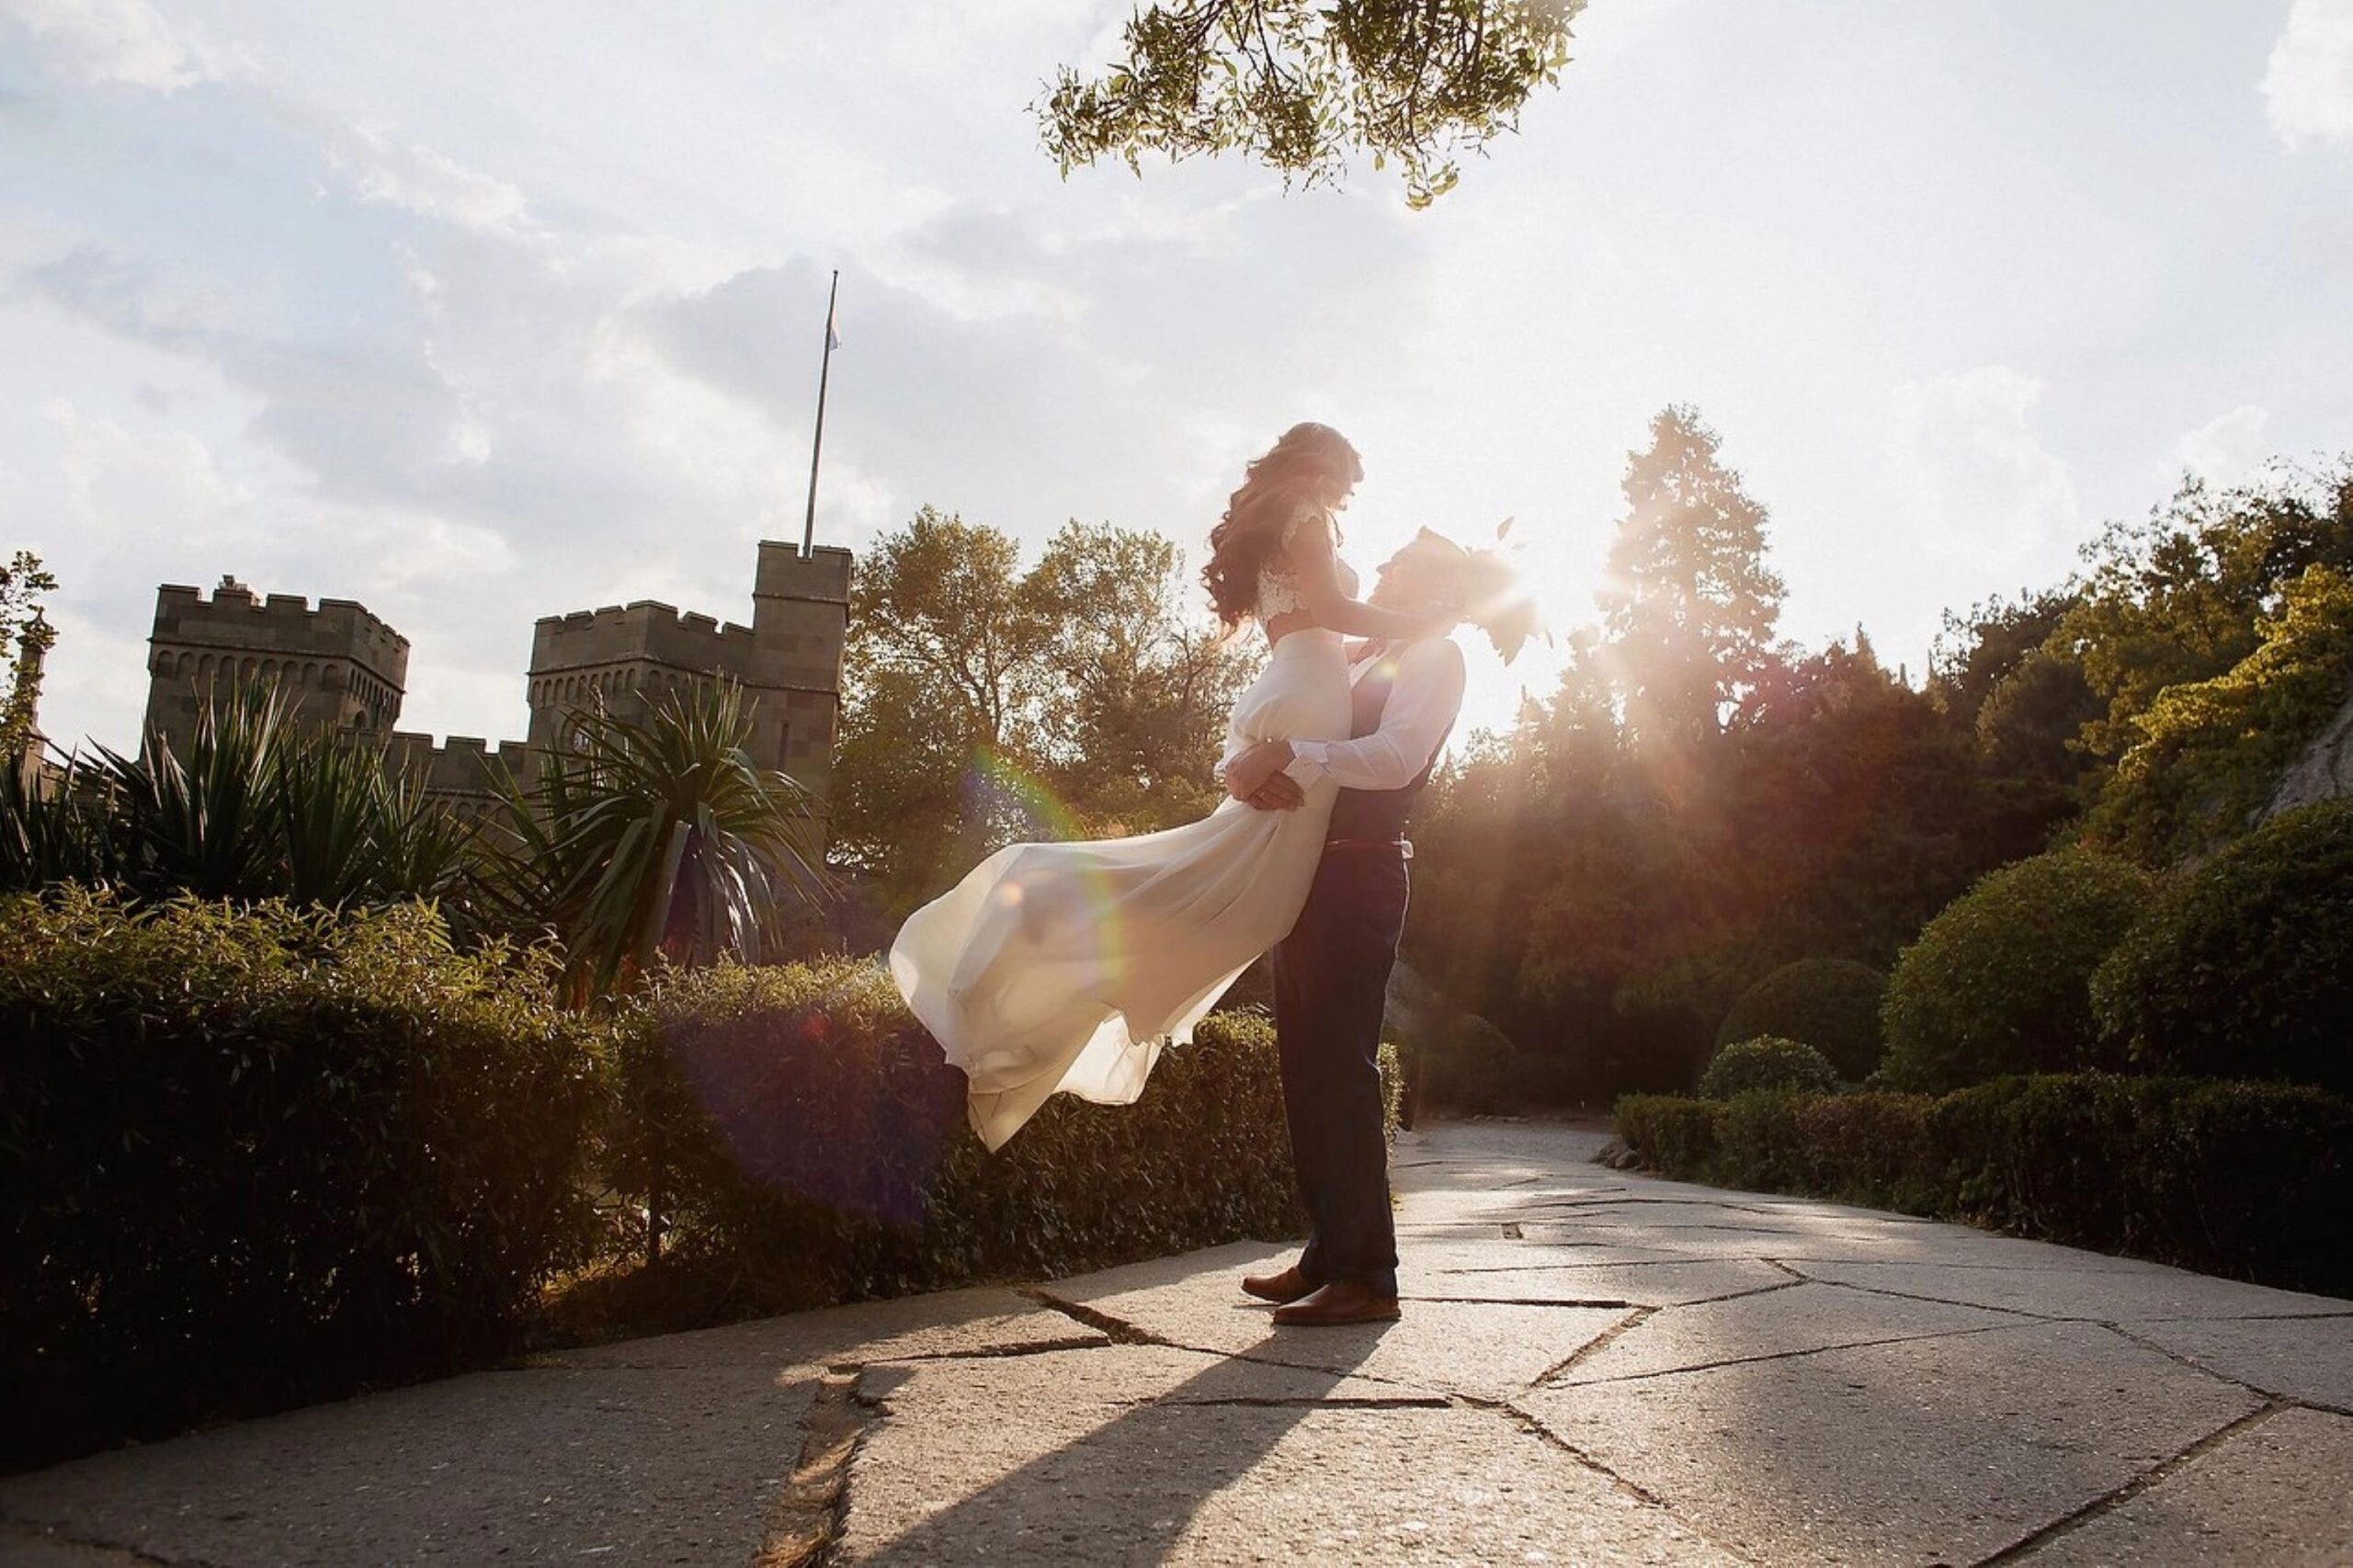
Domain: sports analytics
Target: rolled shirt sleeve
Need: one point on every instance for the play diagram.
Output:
(1422, 706)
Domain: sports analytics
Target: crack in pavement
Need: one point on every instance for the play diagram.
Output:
(1522, 1301)
(2218, 1374)
(808, 1516)
(1118, 1330)
(1594, 1345)
(1797, 1353)
(26, 1528)
(1913, 1296)
(1624, 1485)
(2109, 1502)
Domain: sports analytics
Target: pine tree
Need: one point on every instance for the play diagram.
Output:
(1689, 604)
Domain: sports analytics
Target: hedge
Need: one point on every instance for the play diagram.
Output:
(262, 1156)
(1831, 1005)
(2251, 1180)
(806, 1143)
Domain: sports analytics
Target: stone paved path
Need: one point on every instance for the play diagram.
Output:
(1592, 1368)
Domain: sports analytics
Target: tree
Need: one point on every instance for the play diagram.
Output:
(1299, 85)
(1689, 603)
(986, 703)
(26, 638)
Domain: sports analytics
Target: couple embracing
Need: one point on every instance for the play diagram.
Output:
(1068, 967)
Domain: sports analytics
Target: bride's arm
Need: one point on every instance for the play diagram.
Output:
(1318, 573)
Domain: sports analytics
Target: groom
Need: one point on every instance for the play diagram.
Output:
(1331, 972)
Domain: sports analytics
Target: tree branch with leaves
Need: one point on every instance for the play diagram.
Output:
(1301, 85)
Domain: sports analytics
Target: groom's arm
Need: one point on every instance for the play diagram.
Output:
(1423, 704)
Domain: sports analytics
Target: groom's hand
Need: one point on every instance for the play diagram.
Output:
(1247, 772)
(1280, 793)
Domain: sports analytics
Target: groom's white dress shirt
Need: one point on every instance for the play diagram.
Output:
(1423, 703)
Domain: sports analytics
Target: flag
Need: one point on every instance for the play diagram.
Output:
(833, 338)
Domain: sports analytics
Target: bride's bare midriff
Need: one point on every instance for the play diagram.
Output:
(1288, 622)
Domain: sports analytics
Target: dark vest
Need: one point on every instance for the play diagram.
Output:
(1377, 813)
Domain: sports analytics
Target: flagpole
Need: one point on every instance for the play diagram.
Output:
(825, 370)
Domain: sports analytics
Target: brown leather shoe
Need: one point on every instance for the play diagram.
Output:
(1342, 1301)
(1287, 1285)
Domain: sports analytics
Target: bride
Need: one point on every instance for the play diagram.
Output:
(1067, 966)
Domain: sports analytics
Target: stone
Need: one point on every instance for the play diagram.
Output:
(1488, 1350)
(1664, 1285)
(2105, 1295)
(1793, 1321)
(983, 1321)
(1234, 1462)
(643, 1466)
(2274, 1492)
(2309, 1359)
(1940, 1449)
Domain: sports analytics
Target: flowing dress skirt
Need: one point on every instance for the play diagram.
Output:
(1066, 967)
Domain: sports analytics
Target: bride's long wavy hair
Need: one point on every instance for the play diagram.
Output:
(1312, 465)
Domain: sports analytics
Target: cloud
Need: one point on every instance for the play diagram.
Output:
(419, 179)
(2227, 449)
(1977, 483)
(120, 485)
(126, 42)
(2308, 85)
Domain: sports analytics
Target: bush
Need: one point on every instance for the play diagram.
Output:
(259, 1157)
(1472, 1067)
(2000, 981)
(1769, 1066)
(2253, 1180)
(808, 1144)
(2243, 966)
(1831, 1005)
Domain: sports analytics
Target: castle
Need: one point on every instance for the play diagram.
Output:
(339, 667)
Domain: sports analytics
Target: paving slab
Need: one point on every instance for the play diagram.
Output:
(1786, 1380)
(1796, 1320)
(1117, 1466)
(2099, 1296)
(642, 1466)
(2278, 1491)
(1488, 1349)
(1927, 1450)
(1669, 1284)
(2305, 1358)
(945, 1323)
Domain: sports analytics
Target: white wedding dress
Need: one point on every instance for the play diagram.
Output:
(1066, 967)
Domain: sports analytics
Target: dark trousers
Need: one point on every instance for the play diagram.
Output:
(1330, 976)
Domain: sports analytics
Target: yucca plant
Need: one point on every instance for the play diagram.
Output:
(205, 823)
(660, 840)
(53, 836)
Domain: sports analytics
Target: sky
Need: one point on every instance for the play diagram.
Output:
(481, 314)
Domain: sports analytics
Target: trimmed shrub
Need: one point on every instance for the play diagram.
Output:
(2000, 981)
(1767, 1065)
(2243, 966)
(257, 1157)
(2252, 1180)
(1831, 1005)
(806, 1143)
(1473, 1067)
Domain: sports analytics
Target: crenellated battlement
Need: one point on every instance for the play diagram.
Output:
(462, 765)
(647, 629)
(233, 617)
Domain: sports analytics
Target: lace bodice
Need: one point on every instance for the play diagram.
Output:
(1279, 585)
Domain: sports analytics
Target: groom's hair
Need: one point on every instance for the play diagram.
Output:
(1486, 591)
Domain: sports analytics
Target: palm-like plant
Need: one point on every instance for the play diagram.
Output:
(257, 808)
(658, 840)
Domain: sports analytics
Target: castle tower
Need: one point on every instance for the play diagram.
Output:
(800, 622)
(335, 667)
(622, 659)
